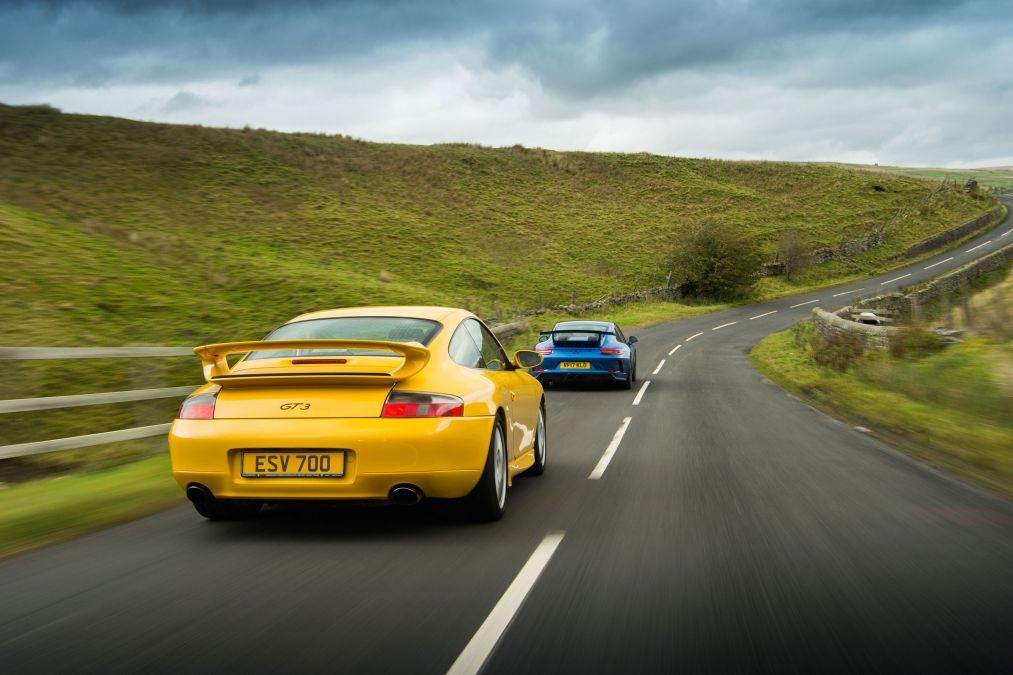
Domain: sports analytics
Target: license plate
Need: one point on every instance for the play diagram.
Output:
(294, 464)
(575, 365)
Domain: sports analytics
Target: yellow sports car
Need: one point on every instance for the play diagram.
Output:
(388, 403)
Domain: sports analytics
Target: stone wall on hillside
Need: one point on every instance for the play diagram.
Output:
(953, 234)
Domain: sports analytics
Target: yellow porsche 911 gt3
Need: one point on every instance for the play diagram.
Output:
(371, 403)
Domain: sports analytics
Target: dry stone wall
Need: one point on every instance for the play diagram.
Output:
(953, 234)
(947, 286)
(831, 324)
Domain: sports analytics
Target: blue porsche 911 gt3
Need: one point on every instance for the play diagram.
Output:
(587, 350)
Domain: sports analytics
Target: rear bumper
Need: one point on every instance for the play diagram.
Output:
(561, 375)
(444, 457)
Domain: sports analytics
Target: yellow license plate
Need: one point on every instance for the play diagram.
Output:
(293, 464)
(575, 365)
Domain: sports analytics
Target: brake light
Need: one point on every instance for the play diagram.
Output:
(417, 404)
(609, 350)
(543, 350)
(198, 407)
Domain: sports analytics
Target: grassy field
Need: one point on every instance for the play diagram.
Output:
(999, 177)
(952, 408)
(121, 232)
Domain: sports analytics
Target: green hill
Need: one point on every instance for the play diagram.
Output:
(116, 231)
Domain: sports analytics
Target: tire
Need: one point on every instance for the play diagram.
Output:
(628, 382)
(217, 509)
(633, 369)
(541, 447)
(487, 500)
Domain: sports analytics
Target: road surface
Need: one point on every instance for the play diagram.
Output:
(724, 526)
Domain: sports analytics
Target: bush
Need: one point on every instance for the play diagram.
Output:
(793, 251)
(718, 262)
(838, 352)
(914, 342)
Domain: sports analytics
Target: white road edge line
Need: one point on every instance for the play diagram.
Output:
(939, 263)
(760, 316)
(659, 367)
(730, 323)
(978, 246)
(804, 303)
(693, 336)
(603, 463)
(640, 394)
(837, 295)
(488, 635)
(674, 350)
(890, 281)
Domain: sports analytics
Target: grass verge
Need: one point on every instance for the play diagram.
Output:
(951, 409)
(44, 511)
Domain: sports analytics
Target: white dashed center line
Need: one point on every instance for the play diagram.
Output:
(837, 295)
(1005, 233)
(903, 276)
(660, 365)
(760, 316)
(674, 350)
(730, 323)
(640, 394)
(481, 645)
(939, 263)
(804, 303)
(975, 248)
(693, 336)
(603, 463)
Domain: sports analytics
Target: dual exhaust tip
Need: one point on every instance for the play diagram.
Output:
(402, 495)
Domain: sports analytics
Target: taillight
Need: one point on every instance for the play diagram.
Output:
(609, 350)
(416, 404)
(543, 350)
(198, 407)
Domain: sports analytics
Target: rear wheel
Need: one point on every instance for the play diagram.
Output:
(538, 468)
(217, 509)
(487, 500)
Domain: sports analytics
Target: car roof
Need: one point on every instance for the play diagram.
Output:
(441, 314)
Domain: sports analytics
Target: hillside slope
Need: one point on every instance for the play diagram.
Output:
(119, 231)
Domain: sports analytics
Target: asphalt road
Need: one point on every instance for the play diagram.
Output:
(733, 529)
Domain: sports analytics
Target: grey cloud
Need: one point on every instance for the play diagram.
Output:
(578, 49)
(185, 100)
(900, 80)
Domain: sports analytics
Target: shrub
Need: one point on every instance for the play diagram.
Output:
(838, 351)
(914, 342)
(793, 251)
(718, 262)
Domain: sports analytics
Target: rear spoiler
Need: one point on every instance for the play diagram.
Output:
(543, 333)
(216, 366)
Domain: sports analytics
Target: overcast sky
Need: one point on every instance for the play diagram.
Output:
(911, 83)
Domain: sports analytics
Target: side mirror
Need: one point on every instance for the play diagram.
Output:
(632, 340)
(525, 359)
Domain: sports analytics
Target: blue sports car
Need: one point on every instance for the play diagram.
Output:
(587, 350)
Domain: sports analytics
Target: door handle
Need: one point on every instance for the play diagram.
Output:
(513, 394)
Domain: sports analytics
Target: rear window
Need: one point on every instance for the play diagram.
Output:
(579, 331)
(388, 328)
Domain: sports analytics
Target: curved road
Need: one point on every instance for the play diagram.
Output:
(731, 528)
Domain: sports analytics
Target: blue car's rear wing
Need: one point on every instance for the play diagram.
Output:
(546, 334)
